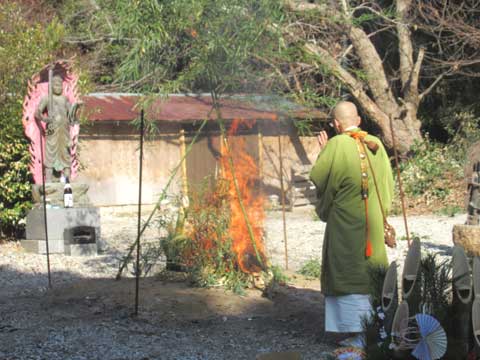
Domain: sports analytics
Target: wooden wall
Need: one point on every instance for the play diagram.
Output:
(108, 153)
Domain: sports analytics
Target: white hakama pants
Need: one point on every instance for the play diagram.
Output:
(345, 314)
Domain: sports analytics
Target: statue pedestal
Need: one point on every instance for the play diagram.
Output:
(71, 231)
(54, 192)
(468, 237)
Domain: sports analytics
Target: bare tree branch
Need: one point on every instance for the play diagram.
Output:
(433, 84)
(355, 86)
(299, 5)
(411, 92)
(373, 67)
(405, 43)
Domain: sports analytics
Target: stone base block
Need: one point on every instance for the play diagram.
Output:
(40, 246)
(59, 221)
(81, 249)
(468, 237)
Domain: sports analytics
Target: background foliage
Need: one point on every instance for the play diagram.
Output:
(228, 46)
(24, 49)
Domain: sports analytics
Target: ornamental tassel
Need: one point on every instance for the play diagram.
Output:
(368, 248)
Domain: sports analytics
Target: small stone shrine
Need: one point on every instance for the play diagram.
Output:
(51, 123)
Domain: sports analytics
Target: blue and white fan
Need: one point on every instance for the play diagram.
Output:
(433, 339)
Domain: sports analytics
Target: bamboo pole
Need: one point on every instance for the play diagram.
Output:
(260, 156)
(239, 195)
(216, 107)
(183, 151)
(140, 168)
(42, 155)
(159, 201)
(402, 195)
(282, 189)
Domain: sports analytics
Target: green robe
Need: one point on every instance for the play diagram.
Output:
(337, 177)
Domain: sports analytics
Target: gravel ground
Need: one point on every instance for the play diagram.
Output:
(305, 235)
(87, 315)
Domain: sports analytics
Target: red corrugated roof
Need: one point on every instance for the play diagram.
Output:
(123, 107)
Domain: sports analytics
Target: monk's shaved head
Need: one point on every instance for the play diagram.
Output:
(346, 114)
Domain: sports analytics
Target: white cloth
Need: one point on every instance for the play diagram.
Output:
(345, 314)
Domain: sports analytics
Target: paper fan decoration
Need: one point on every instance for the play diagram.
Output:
(349, 353)
(433, 339)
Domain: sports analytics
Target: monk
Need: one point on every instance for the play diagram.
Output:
(351, 243)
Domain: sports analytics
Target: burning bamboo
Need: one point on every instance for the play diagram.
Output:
(234, 180)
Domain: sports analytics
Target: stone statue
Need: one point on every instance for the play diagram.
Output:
(61, 114)
(50, 123)
(473, 207)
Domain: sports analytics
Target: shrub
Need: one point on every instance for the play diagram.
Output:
(432, 177)
(25, 50)
(199, 241)
(15, 189)
(311, 268)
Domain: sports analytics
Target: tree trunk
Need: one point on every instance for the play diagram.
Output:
(405, 123)
(373, 92)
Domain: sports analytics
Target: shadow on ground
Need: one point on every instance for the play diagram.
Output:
(92, 318)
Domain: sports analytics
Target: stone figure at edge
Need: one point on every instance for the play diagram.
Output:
(58, 141)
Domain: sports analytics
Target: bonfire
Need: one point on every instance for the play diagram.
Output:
(220, 241)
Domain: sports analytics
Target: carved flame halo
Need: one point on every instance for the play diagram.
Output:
(37, 88)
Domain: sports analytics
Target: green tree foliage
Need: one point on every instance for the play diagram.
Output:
(178, 45)
(24, 50)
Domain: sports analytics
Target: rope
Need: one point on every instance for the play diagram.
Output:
(357, 136)
(400, 187)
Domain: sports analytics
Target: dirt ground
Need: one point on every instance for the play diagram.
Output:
(88, 315)
(92, 319)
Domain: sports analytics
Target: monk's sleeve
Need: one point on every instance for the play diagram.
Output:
(321, 176)
(388, 182)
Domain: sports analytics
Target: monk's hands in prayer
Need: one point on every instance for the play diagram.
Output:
(322, 139)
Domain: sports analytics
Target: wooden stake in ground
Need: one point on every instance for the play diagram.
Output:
(140, 167)
(400, 188)
(183, 151)
(282, 189)
(50, 107)
(260, 156)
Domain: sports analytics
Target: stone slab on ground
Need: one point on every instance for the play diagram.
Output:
(80, 249)
(40, 246)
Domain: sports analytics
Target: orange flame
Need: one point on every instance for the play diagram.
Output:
(250, 252)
